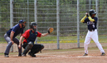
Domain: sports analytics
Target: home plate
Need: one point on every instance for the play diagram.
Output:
(84, 56)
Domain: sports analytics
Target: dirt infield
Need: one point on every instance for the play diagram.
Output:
(52, 46)
(58, 56)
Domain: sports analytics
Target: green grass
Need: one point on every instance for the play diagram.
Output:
(65, 39)
(69, 39)
(75, 49)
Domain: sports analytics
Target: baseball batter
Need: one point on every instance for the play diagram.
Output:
(92, 31)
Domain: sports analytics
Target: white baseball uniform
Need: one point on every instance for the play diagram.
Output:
(92, 34)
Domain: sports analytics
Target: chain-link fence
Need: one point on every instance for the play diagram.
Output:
(62, 15)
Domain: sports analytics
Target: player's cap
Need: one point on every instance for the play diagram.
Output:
(22, 21)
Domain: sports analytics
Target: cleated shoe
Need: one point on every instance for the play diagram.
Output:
(32, 55)
(23, 54)
(20, 55)
(85, 54)
(103, 54)
(6, 55)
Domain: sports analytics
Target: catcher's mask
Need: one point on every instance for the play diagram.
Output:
(21, 22)
(32, 25)
(91, 12)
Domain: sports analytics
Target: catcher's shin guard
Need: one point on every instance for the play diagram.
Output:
(38, 49)
(28, 47)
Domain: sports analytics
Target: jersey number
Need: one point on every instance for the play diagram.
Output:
(91, 23)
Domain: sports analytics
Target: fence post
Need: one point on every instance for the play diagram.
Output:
(11, 18)
(35, 14)
(28, 13)
(57, 5)
(97, 13)
(89, 4)
(0, 18)
(78, 34)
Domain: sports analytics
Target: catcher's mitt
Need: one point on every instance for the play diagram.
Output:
(50, 30)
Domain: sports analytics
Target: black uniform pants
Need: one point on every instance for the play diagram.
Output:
(35, 49)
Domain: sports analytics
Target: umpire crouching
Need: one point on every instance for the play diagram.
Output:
(29, 37)
(10, 36)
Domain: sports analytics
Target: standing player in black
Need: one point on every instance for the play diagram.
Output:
(92, 31)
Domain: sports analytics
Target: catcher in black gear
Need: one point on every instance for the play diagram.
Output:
(29, 37)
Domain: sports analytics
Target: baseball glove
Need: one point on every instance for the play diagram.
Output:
(50, 30)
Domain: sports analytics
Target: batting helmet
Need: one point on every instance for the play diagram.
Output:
(91, 12)
(33, 24)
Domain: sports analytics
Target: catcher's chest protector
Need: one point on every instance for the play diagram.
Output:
(32, 36)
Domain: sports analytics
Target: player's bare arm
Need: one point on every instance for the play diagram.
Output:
(20, 41)
(11, 37)
(44, 34)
